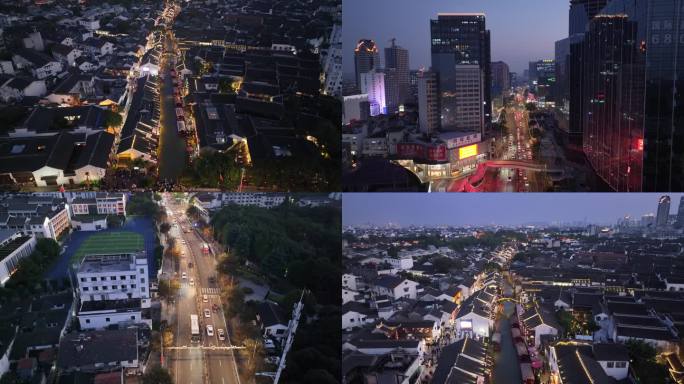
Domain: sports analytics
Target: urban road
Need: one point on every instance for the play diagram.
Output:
(194, 366)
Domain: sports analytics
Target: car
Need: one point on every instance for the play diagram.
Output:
(189, 264)
(192, 281)
(205, 298)
(207, 312)
(221, 334)
(210, 330)
(215, 307)
(184, 276)
(272, 360)
(269, 344)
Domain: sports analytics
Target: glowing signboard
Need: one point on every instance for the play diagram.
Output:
(467, 151)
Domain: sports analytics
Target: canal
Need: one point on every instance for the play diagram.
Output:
(506, 365)
(171, 145)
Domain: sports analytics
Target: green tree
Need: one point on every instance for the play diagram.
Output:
(164, 228)
(157, 375)
(113, 119)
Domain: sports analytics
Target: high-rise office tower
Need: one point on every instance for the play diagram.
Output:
(633, 77)
(396, 76)
(581, 12)
(428, 102)
(663, 214)
(680, 213)
(460, 41)
(501, 78)
(373, 84)
(366, 58)
(544, 78)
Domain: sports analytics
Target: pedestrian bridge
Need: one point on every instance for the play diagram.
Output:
(502, 299)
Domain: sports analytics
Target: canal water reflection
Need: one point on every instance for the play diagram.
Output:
(506, 365)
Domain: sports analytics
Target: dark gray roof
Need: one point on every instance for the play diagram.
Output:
(83, 349)
(19, 83)
(271, 314)
(96, 151)
(29, 154)
(610, 352)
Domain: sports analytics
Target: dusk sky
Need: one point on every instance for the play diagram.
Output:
(521, 30)
(496, 208)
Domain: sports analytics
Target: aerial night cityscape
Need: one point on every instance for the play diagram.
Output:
(514, 96)
(231, 95)
(256, 192)
(512, 288)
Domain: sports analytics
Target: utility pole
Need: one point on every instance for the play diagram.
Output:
(291, 331)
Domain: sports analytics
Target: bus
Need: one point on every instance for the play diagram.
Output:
(194, 329)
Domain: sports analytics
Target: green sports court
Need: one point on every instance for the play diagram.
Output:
(110, 242)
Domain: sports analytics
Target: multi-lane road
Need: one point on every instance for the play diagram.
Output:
(198, 292)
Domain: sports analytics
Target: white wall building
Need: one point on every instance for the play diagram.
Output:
(114, 277)
(15, 246)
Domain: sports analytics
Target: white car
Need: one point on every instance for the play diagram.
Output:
(207, 312)
(192, 281)
(184, 276)
(205, 299)
(210, 330)
(221, 334)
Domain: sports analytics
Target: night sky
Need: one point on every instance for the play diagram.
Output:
(497, 208)
(521, 30)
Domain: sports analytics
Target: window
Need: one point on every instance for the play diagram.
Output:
(142, 270)
(132, 317)
(93, 279)
(83, 279)
(115, 287)
(104, 287)
(85, 288)
(96, 288)
(142, 280)
(142, 289)
(620, 364)
(103, 278)
(610, 364)
(122, 277)
(112, 278)
(132, 277)
(133, 285)
(87, 321)
(107, 319)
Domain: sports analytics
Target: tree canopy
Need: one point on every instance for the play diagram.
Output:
(287, 242)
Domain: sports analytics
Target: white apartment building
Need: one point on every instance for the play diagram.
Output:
(113, 289)
(101, 204)
(114, 277)
(14, 246)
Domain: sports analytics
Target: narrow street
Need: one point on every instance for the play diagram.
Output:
(506, 365)
(171, 144)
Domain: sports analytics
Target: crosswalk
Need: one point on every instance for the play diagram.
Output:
(210, 291)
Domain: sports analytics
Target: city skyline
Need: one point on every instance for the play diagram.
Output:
(498, 209)
(511, 43)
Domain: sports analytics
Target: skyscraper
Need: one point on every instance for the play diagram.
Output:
(680, 213)
(460, 41)
(366, 58)
(545, 78)
(501, 78)
(633, 113)
(663, 211)
(428, 102)
(396, 76)
(373, 84)
(581, 12)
